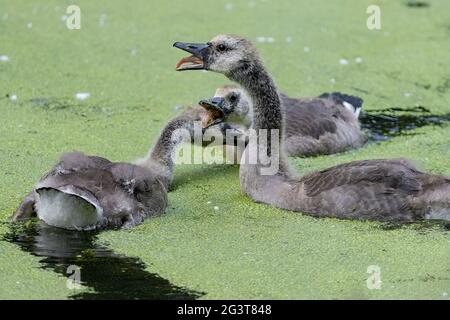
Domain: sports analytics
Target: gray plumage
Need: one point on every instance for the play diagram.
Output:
(118, 194)
(88, 192)
(321, 125)
(386, 190)
(326, 124)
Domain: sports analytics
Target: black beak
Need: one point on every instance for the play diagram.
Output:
(197, 49)
(216, 103)
(199, 53)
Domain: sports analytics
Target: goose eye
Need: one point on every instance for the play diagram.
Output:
(233, 98)
(221, 47)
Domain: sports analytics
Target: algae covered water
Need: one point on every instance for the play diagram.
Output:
(108, 275)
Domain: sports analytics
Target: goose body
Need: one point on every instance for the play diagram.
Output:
(385, 190)
(326, 124)
(88, 192)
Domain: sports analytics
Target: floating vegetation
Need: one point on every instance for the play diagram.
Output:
(108, 275)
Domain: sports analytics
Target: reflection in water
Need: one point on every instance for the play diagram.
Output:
(424, 226)
(384, 124)
(417, 4)
(107, 274)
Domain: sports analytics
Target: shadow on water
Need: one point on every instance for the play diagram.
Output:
(107, 274)
(423, 227)
(417, 4)
(382, 125)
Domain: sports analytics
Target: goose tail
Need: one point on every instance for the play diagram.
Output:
(68, 207)
(352, 103)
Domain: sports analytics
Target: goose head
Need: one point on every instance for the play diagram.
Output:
(232, 104)
(144, 191)
(226, 54)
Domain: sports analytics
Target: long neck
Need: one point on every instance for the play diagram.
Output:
(264, 95)
(161, 159)
(266, 108)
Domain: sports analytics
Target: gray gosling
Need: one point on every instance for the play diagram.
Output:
(385, 190)
(88, 192)
(314, 126)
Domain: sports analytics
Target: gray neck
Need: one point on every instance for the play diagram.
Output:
(267, 114)
(263, 93)
(161, 159)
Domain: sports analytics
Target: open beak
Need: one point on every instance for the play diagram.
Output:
(216, 103)
(215, 113)
(196, 60)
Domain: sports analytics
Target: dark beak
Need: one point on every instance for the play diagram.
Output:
(216, 103)
(199, 53)
(197, 49)
(215, 106)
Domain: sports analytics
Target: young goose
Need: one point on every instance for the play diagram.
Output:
(161, 158)
(387, 190)
(318, 125)
(88, 192)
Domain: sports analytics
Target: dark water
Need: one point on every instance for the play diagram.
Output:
(388, 123)
(417, 4)
(423, 227)
(110, 275)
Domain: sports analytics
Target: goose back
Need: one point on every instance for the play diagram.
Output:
(112, 194)
(320, 125)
